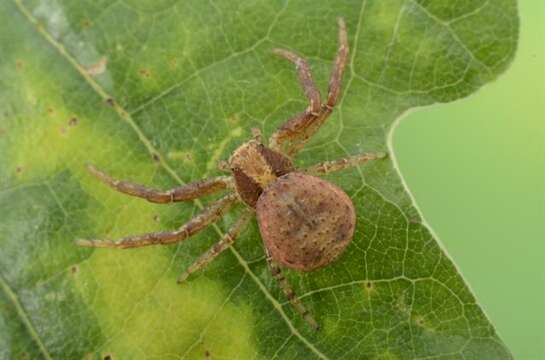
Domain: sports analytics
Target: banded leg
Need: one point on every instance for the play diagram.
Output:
(336, 165)
(293, 134)
(209, 215)
(181, 193)
(226, 241)
(290, 294)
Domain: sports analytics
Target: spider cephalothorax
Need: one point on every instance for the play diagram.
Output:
(305, 222)
(254, 167)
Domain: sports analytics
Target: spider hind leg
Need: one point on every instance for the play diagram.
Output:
(285, 286)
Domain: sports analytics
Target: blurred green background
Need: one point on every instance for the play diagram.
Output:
(477, 170)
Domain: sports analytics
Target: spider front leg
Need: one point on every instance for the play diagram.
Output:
(181, 193)
(293, 134)
(335, 79)
(209, 215)
(227, 240)
(305, 79)
(284, 285)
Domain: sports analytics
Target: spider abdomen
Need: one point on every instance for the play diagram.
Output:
(305, 222)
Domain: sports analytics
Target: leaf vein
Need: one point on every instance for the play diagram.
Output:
(24, 317)
(201, 70)
(454, 35)
(210, 321)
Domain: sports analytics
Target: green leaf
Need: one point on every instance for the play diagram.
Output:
(189, 80)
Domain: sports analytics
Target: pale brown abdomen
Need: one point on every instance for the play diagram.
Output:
(305, 222)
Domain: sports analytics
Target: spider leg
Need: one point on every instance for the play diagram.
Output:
(327, 167)
(226, 241)
(338, 67)
(292, 135)
(181, 193)
(290, 294)
(305, 78)
(209, 215)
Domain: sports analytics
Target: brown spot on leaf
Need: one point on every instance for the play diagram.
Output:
(73, 121)
(19, 64)
(86, 23)
(110, 101)
(144, 72)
